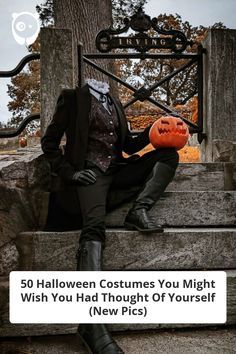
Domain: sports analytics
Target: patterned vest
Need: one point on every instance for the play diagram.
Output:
(103, 127)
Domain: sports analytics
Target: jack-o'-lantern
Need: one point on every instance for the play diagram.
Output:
(23, 141)
(169, 132)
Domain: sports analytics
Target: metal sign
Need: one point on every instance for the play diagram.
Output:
(174, 40)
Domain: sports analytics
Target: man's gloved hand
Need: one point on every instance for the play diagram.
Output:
(84, 177)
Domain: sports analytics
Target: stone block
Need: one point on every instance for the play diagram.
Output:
(198, 177)
(223, 150)
(187, 248)
(230, 176)
(219, 96)
(217, 341)
(212, 208)
(9, 258)
(24, 176)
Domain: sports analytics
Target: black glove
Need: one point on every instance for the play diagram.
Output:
(84, 177)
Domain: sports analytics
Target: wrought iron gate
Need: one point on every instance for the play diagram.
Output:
(172, 40)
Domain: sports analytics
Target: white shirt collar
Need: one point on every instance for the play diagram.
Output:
(100, 86)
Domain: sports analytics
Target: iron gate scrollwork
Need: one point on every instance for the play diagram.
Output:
(31, 117)
(175, 40)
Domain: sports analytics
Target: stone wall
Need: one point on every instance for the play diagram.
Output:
(219, 96)
(24, 180)
(56, 69)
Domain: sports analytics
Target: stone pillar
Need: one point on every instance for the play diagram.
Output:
(219, 96)
(56, 60)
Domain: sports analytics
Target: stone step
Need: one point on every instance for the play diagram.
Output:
(17, 330)
(201, 341)
(204, 177)
(28, 167)
(176, 248)
(212, 208)
(188, 248)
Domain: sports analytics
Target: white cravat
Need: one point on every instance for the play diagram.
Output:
(99, 89)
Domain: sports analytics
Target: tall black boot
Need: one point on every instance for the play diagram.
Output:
(89, 256)
(96, 337)
(137, 217)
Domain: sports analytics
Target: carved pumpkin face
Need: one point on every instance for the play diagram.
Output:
(169, 132)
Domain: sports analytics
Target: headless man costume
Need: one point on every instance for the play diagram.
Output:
(94, 177)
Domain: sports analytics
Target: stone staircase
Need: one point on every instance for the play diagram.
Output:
(199, 214)
(199, 341)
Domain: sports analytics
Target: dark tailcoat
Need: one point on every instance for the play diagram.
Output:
(71, 117)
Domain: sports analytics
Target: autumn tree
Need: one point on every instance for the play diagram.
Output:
(46, 13)
(120, 10)
(85, 19)
(24, 92)
(124, 8)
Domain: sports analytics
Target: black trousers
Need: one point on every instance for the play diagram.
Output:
(121, 181)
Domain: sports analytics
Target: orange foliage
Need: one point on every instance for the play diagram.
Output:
(189, 154)
(195, 116)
